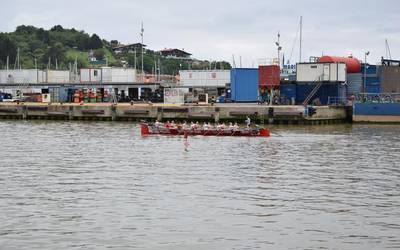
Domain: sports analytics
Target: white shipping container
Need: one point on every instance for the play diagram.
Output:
(57, 76)
(21, 76)
(90, 75)
(106, 74)
(123, 75)
(321, 72)
(204, 78)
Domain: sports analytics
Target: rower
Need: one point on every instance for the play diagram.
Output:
(248, 121)
(206, 126)
(236, 127)
(231, 127)
(157, 124)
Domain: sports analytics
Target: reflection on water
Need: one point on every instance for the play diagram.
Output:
(100, 185)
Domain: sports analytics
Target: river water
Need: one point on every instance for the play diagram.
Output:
(100, 185)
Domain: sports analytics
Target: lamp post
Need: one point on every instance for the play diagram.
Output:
(365, 72)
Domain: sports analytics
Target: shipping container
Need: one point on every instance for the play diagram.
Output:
(371, 70)
(390, 79)
(353, 65)
(244, 85)
(57, 76)
(122, 75)
(325, 92)
(321, 72)
(90, 75)
(373, 89)
(21, 76)
(269, 76)
(354, 83)
(59, 94)
(288, 93)
(204, 78)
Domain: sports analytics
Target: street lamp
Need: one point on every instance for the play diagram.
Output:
(365, 72)
(279, 48)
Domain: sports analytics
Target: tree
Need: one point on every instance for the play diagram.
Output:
(7, 48)
(95, 42)
(57, 28)
(114, 42)
(99, 54)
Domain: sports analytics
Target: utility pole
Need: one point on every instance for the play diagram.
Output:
(365, 72)
(142, 34)
(301, 36)
(8, 62)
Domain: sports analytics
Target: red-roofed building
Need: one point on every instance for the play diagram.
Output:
(175, 53)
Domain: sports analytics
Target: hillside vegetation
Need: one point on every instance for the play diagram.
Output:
(60, 47)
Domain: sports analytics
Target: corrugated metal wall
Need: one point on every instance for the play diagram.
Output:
(390, 79)
(323, 94)
(244, 85)
(354, 84)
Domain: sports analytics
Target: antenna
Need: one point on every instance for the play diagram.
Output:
(301, 36)
(388, 50)
(142, 34)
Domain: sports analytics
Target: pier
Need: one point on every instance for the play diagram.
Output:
(263, 114)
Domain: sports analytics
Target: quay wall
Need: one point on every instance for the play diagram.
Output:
(147, 111)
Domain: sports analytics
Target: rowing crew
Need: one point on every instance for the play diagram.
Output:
(197, 126)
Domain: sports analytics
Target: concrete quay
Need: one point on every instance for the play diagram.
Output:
(262, 114)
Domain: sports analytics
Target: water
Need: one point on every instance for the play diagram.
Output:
(99, 185)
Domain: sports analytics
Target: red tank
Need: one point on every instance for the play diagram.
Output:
(353, 65)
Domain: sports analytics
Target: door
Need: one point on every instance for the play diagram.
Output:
(326, 73)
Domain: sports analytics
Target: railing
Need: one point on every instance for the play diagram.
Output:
(378, 98)
(337, 101)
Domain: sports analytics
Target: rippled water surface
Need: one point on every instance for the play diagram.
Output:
(99, 185)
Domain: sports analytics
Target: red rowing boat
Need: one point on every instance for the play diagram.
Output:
(149, 129)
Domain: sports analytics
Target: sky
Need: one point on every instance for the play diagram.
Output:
(223, 29)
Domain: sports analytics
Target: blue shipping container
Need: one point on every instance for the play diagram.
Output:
(371, 69)
(323, 94)
(373, 89)
(244, 85)
(288, 92)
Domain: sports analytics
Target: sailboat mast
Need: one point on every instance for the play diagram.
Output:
(301, 36)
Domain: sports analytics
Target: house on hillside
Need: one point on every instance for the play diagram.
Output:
(129, 48)
(175, 53)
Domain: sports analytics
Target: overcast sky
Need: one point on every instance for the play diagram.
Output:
(218, 29)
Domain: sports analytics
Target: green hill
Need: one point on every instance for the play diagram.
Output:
(60, 46)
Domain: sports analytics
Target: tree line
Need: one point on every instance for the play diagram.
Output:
(62, 46)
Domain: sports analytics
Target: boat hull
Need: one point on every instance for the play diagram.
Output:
(153, 130)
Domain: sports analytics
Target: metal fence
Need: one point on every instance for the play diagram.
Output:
(378, 98)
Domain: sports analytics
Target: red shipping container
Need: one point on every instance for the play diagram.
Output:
(269, 76)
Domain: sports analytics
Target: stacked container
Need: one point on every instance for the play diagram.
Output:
(204, 78)
(21, 76)
(244, 85)
(268, 77)
(372, 80)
